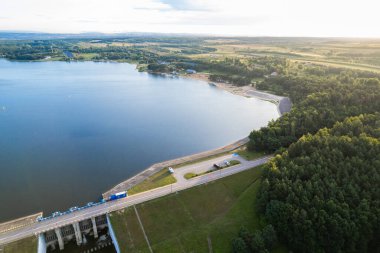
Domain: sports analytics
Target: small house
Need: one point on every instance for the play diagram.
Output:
(191, 71)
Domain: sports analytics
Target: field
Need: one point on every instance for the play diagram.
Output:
(159, 179)
(194, 220)
(231, 163)
(169, 54)
(354, 52)
(27, 245)
(250, 155)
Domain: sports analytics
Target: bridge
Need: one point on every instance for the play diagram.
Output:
(88, 221)
(76, 230)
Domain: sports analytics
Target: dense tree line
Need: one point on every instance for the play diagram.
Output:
(32, 50)
(301, 82)
(149, 51)
(233, 79)
(323, 194)
(261, 241)
(318, 103)
(242, 71)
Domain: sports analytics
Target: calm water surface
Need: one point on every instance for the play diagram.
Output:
(70, 131)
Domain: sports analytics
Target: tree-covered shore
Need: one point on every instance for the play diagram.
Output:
(321, 191)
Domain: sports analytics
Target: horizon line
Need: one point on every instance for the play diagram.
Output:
(180, 34)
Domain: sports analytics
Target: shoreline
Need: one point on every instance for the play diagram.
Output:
(283, 105)
(236, 90)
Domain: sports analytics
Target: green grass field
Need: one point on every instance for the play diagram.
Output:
(27, 245)
(159, 179)
(191, 174)
(337, 64)
(202, 159)
(185, 221)
(250, 155)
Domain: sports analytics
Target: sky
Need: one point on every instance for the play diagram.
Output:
(311, 18)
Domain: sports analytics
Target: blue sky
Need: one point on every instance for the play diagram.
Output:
(333, 18)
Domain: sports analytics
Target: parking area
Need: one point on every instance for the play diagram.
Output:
(201, 167)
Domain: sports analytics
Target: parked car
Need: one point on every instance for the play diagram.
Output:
(216, 166)
(55, 214)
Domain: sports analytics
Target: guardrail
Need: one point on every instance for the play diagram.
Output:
(19, 223)
(116, 205)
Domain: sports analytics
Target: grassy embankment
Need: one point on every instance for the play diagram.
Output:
(191, 174)
(242, 151)
(250, 155)
(193, 220)
(159, 179)
(27, 245)
(163, 177)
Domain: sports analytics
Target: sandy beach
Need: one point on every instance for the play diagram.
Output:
(241, 91)
(283, 103)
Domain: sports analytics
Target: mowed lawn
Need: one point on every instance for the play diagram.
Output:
(193, 220)
(27, 245)
(159, 179)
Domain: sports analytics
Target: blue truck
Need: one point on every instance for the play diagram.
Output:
(118, 195)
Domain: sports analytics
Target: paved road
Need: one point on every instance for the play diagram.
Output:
(18, 223)
(204, 166)
(129, 183)
(107, 207)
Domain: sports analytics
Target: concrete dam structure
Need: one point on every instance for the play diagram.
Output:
(76, 231)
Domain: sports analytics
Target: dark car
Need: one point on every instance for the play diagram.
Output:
(216, 166)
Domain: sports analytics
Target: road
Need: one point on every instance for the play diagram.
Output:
(204, 166)
(140, 177)
(108, 207)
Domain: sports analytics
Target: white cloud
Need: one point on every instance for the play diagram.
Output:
(231, 17)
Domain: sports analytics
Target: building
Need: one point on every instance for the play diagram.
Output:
(274, 74)
(191, 71)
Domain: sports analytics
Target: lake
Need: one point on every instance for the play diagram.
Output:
(70, 131)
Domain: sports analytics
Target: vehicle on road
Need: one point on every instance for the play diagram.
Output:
(55, 214)
(216, 166)
(118, 195)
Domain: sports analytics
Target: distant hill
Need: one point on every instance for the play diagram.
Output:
(17, 35)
